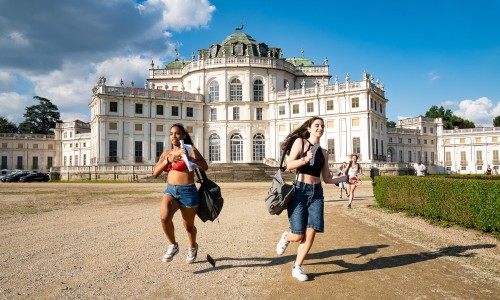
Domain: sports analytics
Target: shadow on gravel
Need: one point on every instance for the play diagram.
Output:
(280, 260)
(393, 261)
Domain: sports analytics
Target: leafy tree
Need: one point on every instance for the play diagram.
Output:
(450, 121)
(391, 124)
(6, 126)
(496, 121)
(40, 118)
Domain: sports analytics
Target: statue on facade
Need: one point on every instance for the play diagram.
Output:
(336, 79)
(303, 83)
(192, 56)
(347, 77)
(325, 62)
(287, 86)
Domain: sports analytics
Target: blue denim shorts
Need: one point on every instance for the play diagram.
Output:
(186, 195)
(306, 208)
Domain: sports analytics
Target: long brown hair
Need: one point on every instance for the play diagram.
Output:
(187, 139)
(301, 132)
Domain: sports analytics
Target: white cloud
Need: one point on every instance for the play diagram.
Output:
(433, 75)
(12, 106)
(481, 111)
(181, 14)
(6, 80)
(449, 103)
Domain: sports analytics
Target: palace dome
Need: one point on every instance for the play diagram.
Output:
(239, 37)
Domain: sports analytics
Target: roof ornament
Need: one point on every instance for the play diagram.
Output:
(302, 52)
(239, 28)
(176, 54)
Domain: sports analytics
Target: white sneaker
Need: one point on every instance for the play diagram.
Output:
(192, 253)
(282, 244)
(298, 273)
(171, 251)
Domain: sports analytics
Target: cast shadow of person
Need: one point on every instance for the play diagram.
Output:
(395, 261)
(281, 260)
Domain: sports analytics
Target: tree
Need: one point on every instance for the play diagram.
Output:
(391, 124)
(40, 118)
(6, 126)
(496, 121)
(450, 121)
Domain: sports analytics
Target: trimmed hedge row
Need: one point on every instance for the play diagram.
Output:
(466, 202)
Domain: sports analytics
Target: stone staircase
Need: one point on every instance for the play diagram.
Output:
(236, 172)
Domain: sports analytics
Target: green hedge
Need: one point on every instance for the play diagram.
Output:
(473, 203)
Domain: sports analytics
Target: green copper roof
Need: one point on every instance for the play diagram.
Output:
(300, 61)
(178, 64)
(239, 37)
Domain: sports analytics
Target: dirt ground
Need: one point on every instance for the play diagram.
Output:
(104, 241)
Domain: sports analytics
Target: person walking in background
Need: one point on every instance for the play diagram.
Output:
(488, 170)
(305, 210)
(340, 172)
(181, 193)
(421, 169)
(353, 169)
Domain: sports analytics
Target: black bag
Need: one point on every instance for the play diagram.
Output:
(280, 193)
(210, 196)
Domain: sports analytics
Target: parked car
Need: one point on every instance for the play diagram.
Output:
(35, 177)
(14, 177)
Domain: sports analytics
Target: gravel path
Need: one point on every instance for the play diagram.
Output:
(104, 241)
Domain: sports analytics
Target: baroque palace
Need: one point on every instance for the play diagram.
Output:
(238, 99)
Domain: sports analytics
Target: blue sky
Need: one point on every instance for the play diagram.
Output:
(425, 52)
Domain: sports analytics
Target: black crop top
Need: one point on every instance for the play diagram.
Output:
(319, 162)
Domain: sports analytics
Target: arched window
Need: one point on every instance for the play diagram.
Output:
(258, 90)
(235, 90)
(236, 147)
(259, 147)
(214, 147)
(213, 95)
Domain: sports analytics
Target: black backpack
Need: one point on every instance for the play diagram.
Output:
(211, 201)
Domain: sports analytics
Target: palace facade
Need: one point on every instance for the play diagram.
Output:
(238, 99)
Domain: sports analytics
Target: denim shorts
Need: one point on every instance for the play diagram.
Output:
(306, 208)
(186, 195)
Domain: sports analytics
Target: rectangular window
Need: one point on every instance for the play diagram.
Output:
(281, 128)
(329, 105)
(432, 158)
(51, 147)
(70, 160)
(479, 157)
(34, 162)
(495, 155)
(19, 164)
(409, 141)
(432, 129)
(84, 162)
(355, 122)
(189, 130)
(213, 114)
(236, 113)
(425, 129)
(381, 108)
(425, 142)
(419, 156)
(281, 110)
(159, 128)
(331, 147)
(409, 156)
(138, 151)
(356, 145)
(462, 141)
(50, 162)
(175, 111)
(310, 107)
(447, 141)
(463, 158)
(478, 140)
(189, 112)
(113, 151)
(494, 139)
(4, 163)
(138, 108)
(76, 160)
(159, 150)
(329, 124)
(295, 109)
(447, 157)
(355, 102)
(113, 106)
(4, 145)
(258, 113)
(20, 146)
(35, 146)
(113, 126)
(138, 126)
(159, 110)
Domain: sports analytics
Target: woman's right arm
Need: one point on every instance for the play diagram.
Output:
(295, 159)
(162, 163)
